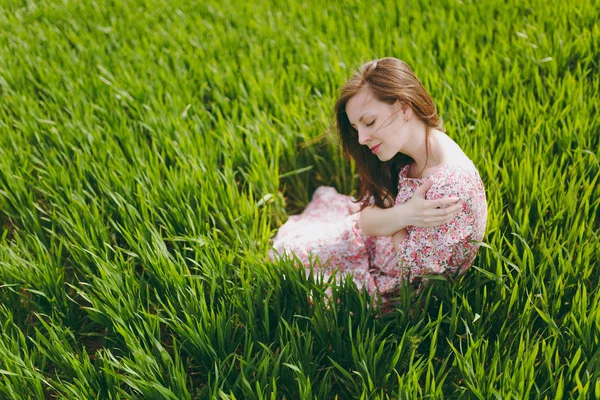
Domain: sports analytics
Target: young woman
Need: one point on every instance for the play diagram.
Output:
(423, 205)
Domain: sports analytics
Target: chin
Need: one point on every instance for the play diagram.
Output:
(384, 157)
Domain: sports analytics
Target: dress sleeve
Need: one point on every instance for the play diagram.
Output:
(429, 250)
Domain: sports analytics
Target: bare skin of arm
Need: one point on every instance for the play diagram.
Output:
(376, 221)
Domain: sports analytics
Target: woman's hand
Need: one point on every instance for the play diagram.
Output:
(417, 211)
(424, 213)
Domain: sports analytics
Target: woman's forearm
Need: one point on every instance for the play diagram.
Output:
(375, 221)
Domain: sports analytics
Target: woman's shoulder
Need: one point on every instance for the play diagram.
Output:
(456, 178)
(463, 168)
(446, 170)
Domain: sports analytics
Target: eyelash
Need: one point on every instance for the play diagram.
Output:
(369, 124)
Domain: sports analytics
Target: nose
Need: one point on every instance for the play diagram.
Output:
(363, 138)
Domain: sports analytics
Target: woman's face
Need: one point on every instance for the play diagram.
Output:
(379, 125)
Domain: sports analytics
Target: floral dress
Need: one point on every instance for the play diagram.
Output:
(328, 229)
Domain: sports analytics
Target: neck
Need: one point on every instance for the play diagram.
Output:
(417, 150)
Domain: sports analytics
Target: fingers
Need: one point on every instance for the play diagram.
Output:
(441, 203)
(433, 213)
(443, 216)
(450, 212)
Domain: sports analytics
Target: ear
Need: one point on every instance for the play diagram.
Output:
(404, 107)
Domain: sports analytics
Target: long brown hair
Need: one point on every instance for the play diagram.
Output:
(390, 80)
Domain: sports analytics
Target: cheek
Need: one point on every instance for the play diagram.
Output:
(389, 133)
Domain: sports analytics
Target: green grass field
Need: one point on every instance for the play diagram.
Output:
(149, 151)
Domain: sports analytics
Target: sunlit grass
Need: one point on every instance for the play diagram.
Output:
(149, 151)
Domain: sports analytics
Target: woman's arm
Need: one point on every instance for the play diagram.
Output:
(375, 221)
(417, 211)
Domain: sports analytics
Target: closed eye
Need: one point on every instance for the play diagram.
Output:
(371, 123)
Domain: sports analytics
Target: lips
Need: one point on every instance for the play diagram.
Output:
(375, 148)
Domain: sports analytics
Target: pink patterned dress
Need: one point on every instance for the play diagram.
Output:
(328, 229)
